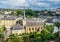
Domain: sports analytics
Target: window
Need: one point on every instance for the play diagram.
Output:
(41, 27)
(29, 29)
(35, 28)
(32, 28)
(38, 29)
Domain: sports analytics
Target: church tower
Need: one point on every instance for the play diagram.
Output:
(24, 14)
(24, 18)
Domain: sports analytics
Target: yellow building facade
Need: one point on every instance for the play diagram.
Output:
(7, 23)
(34, 29)
(32, 26)
(17, 29)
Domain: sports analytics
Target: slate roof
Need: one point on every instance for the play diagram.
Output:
(29, 24)
(56, 20)
(35, 19)
(17, 27)
(9, 18)
(49, 20)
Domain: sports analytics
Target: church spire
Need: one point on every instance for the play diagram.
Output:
(24, 13)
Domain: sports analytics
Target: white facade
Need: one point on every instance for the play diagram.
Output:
(18, 31)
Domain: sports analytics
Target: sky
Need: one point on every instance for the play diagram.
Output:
(33, 4)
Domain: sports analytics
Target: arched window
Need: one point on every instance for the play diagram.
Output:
(32, 28)
(35, 28)
(29, 29)
(41, 27)
(38, 29)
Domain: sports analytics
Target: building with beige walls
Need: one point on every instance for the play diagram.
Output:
(8, 21)
(17, 29)
(32, 25)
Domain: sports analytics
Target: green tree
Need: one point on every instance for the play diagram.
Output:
(44, 34)
(15, 38)
(18, 12)
(48, 36)
(7, 9)
(58, 25)
(31, 13)
(1, 37)
(2, 33)
(1, 12)
(50, 28)
(12, 13)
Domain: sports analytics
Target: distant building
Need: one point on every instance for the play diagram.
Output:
(7, 12)
(8, 21)
(49, 21)
(56, 20)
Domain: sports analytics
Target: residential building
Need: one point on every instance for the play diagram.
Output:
(56, 20)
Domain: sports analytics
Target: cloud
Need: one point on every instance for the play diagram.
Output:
(36, 4)
(53, 0)
(43, 4)
(15, 2)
